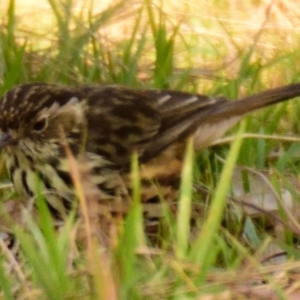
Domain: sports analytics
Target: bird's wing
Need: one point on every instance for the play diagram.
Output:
(148, 121)
(181, 116)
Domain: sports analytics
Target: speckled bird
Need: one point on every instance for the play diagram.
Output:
(102, 125)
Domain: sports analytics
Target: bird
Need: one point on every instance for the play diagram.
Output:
(102, 125)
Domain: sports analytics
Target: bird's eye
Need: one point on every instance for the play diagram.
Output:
(40, 125)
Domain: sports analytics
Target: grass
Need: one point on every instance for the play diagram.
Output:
(221, 48)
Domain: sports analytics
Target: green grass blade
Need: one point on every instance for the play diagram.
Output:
(6, 286)
(205, 240)
(185, 200)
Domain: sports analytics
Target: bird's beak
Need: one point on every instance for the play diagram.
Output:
(5, 139)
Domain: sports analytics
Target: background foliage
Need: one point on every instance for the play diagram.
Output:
(230, 48)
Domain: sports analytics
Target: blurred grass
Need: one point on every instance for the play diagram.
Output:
(228, 48)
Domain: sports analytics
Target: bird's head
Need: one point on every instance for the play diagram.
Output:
(38, 119)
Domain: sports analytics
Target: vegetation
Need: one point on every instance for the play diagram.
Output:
(229, 48)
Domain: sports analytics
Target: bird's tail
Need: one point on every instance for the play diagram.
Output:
(220, 118)
(250, 103)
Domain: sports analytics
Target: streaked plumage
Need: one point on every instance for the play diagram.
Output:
(103, 125)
